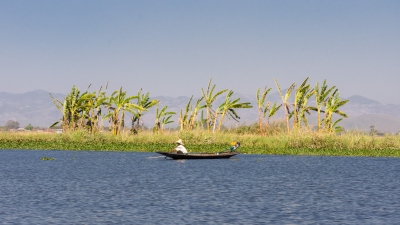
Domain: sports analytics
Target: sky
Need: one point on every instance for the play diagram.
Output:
(173, 48)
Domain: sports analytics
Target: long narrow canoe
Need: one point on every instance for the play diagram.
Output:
(199, 155)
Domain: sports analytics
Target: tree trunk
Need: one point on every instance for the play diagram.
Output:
(260, 119)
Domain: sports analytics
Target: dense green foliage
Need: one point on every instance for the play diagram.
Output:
(90, 110)
(296, 143)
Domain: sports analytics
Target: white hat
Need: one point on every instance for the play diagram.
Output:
(179, 141)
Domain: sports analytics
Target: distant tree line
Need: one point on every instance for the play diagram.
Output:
(13, 124)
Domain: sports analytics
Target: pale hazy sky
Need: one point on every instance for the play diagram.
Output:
(172, 48)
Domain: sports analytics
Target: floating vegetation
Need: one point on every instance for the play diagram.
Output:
(47, 158)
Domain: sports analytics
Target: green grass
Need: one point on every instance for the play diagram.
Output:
(296, 143)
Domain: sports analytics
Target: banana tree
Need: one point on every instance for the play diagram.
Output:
(321, 96)
(192, 122)
(302, 95)
(305, 108)
(143, 101)
(285, 103)
(71, 109)
(228, 108)
(60, 106)
(162, 117)
(262, 107)
(99, 104)
(92, 112)
(298, 97)
(332, 107)
(271, 112)
(188, 118)
(86, 108)
(119, 102)
(209, 98)
(184, 116)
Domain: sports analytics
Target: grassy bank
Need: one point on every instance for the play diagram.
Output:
(303, 143)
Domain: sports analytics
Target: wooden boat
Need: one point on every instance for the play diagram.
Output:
(220, 155)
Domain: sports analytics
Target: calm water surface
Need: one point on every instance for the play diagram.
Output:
(142, 188)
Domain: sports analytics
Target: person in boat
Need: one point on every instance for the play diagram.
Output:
(180, 149)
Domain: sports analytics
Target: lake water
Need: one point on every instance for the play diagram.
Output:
(82, 187)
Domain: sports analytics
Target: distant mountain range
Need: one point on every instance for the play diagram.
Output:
(34, 107)
(37, 108)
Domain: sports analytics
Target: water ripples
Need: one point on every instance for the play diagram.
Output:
(142, 188)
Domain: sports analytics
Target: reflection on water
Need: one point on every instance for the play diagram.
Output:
(144, 188)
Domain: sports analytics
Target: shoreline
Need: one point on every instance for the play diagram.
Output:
(301, 144)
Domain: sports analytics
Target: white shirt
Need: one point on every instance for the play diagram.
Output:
(181, 148)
